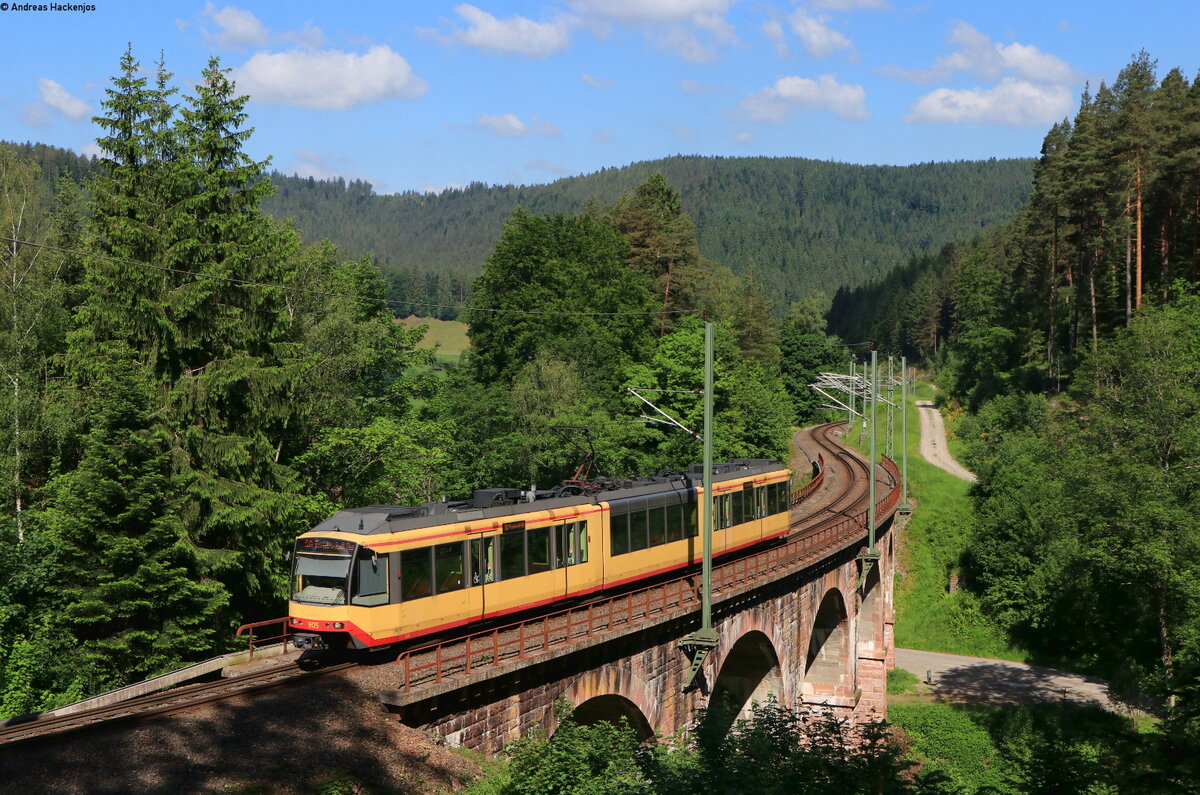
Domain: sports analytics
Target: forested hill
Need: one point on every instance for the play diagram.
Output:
(805, 224)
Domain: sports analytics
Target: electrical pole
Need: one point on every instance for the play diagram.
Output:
(905, 507)
(705, 639)
(871, 478)
(891, 429)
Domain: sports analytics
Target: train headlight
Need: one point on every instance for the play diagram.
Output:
(338, 625)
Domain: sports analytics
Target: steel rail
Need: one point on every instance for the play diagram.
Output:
(166, 702)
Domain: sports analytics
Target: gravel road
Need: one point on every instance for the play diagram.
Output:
(982, 680)
(933, 442)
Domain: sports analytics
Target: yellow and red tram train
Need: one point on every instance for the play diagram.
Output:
(374, 576)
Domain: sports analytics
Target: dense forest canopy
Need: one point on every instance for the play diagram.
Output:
(799, 225)
(1072, 336)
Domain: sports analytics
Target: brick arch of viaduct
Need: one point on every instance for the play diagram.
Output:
(647, 668)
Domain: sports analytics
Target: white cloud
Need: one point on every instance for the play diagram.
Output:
(797, 94)
(317, 166)
(773, 30)
(547, 166)
(595, 82)
(438, 189)
(36, 115)
(680, 130)
(236, 27)
(978, 56)
(689, 28)
(1012, 103)
(696, 87)
(91, 150)
(745, 137)
(516, 35)
(510, 125)
(653, 11)
(309, 37)
(328, 79)
(61, 100)
(603, 136)
(850, 5)
(820, 40)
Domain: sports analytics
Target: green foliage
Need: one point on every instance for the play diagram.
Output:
(776, 750)
(804, 354)
(1059, 512)
(559, 264)
(130, 589)
(751, 413)
(1034, 748)
(900, 681)
(807, 224)
(935, 545)
(159, 414)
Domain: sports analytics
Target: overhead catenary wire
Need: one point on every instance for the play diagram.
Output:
(326, 293)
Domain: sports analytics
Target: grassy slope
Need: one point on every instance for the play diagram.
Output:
(928, 617)
(447, 338)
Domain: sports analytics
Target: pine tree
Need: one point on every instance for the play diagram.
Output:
(132, 594)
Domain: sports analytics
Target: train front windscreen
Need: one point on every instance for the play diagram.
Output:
(321, 570)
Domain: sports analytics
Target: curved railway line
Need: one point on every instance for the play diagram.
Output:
(829, 516)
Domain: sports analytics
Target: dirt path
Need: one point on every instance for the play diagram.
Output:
(933, 442)
(982, 680)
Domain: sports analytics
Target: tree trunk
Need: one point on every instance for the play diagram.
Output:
(1095, 326)
(1053, 330)
(1137, 304)
(1128, 272)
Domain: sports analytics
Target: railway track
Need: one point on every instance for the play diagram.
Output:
(175, 700)
(832, 517)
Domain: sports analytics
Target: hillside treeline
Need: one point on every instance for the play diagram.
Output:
(1113, 223)
(802, 225)
(187, 386)
(1072, 336)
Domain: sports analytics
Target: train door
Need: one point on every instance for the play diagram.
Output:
(482, 556)
(580, 575)
(564, 556)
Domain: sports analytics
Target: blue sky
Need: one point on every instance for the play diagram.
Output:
(424, 96)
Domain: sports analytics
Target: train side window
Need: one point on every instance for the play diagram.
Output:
(781, 497)
(581, 541)
(489, 559)
(416, 578)
(448, 567)
(726, 503)
(637, 530)
(760, 502)
(370, 579)
(691, 521)
(739, 507)
(539, 549)
(512, 555)
(563, 553)
(475, 556)
(657, 520)
(674, 522)
(620, 534)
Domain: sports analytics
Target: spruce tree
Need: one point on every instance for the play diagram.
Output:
(132, 595)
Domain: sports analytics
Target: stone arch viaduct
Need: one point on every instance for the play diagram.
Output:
(808, 622)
